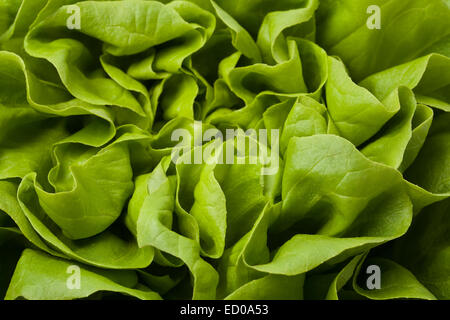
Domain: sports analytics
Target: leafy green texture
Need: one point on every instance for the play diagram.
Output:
(397, 282)
(118, 176)
(50, 276)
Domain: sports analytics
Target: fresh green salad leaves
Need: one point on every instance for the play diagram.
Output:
(226, 149)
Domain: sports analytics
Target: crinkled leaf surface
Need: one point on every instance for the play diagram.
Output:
(116, 157)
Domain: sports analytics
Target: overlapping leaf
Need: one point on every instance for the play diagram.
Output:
(93, 173)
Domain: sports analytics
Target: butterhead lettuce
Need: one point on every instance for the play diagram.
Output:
(118, 176)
